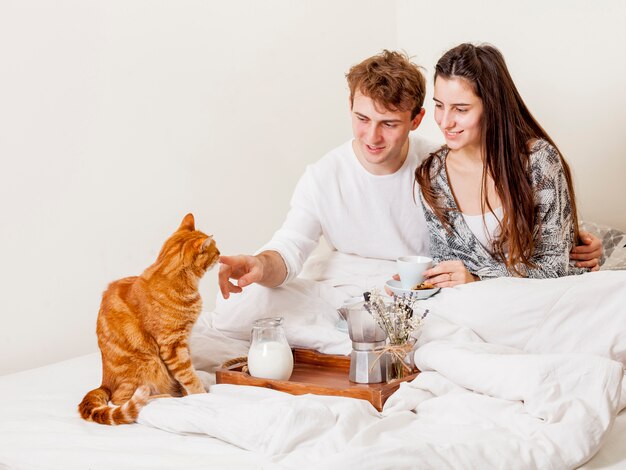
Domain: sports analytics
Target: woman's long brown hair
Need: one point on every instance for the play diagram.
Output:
(508, 129)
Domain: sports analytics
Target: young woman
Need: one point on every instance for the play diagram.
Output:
(498, 196)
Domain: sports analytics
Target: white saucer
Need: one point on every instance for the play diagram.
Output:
(396, 288)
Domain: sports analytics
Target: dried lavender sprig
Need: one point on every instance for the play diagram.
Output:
(381, 314)
(403, 305)
(394, 318)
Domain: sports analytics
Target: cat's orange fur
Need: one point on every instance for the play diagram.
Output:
(143, 329)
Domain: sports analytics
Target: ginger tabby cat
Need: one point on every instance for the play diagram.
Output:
(143, 328)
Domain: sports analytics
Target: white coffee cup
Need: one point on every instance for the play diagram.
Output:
(411, 270)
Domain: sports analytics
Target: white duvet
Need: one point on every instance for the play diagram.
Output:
(516, 373)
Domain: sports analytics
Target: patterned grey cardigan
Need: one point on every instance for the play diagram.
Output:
(554, 230)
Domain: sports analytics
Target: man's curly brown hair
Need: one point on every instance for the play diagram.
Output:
(391, 80)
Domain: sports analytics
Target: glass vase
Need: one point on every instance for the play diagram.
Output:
(400, 361)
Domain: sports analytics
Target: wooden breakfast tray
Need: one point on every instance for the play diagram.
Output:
(316, 373)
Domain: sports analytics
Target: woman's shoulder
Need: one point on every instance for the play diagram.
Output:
(541, 146)
(544, 160)
(540, 151)
(436, 161)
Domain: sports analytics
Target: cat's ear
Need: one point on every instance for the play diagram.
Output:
(207, 243)
(202, 244)
(188, 223)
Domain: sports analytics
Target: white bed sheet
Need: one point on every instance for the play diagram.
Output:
(520, 373)
(40, 426)
(40, 429)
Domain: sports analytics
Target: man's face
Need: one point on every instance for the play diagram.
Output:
(380, 136)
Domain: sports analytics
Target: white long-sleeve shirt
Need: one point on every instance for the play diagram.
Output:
(372, 216)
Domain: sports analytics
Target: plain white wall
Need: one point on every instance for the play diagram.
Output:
(567, 60)
(118, 117)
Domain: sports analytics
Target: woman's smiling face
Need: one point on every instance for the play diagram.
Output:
(458, 113)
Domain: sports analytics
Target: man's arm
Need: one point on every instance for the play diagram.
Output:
(267, 268)
(282, 258)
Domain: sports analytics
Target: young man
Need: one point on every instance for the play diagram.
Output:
(360, 196)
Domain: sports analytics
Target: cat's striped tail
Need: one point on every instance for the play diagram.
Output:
(95, 406)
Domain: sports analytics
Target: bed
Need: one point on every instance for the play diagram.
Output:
(40, 429)
(516, 373)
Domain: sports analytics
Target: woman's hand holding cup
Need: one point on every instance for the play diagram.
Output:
(449, 274)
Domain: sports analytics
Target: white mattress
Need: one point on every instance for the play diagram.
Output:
(41, 429)
(552, 400)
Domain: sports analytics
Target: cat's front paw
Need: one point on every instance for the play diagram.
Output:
(195, 388)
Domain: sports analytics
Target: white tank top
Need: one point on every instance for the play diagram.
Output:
(485, 232)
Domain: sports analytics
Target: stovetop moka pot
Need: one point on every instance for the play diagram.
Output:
(366, 364)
